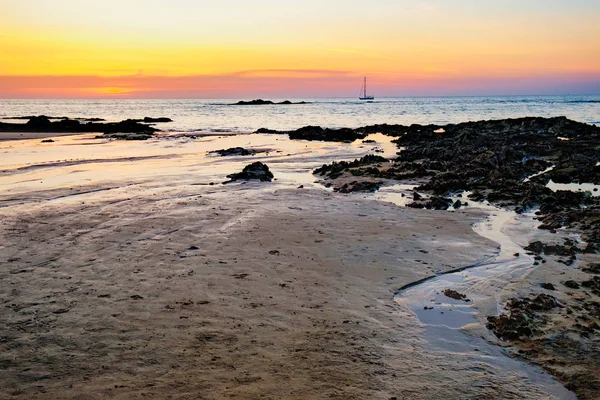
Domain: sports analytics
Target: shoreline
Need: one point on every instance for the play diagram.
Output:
(213, 254)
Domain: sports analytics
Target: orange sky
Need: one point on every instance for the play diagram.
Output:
(237, 48)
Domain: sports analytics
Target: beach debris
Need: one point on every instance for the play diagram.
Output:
(254, 171)
(47, 141)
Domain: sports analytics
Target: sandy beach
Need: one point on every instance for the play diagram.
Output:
(151, 282)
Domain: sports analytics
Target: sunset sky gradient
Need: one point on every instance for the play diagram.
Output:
(289, 48)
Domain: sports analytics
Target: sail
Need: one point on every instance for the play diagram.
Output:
(363, 92)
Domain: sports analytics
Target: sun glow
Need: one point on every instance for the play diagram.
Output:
(196, 48)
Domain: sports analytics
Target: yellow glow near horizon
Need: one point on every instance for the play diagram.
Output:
(394, 40)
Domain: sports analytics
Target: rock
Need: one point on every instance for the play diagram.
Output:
(335, 169)
(254, 171)
(362, 186)
(257, 102)
(261, 102)
(453, 294)
(125, 136)
(523, 318)
(571, 284)
(42, 122)
(47, 141)
(234, 151)
(160, 119)
(566, 250)
(325, 134)
(417, 196)
(457, 204)
(265, 130)
(592, 269)
(438, 203)
(548, 286)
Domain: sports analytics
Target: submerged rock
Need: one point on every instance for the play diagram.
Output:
(254, 171)
(453, 294)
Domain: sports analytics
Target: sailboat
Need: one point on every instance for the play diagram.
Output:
(363, 92)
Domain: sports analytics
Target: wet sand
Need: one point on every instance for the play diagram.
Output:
(5, 136)
(162, 286)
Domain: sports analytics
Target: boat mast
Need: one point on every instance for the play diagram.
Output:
(365, 86)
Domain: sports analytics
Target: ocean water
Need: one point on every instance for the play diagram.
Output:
(219, 115)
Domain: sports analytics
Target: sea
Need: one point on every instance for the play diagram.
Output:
(220, 115)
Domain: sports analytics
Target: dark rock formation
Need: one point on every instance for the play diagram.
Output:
(547, 286)
(44, 124)
(159, 119)
(265, 130)
(432, 203)
(522, 318)
(234, 151)
(453, 294)
(318, 133)
(325, 134)
(257, 171)
(362, 186)
(261, 102)
(336, 169)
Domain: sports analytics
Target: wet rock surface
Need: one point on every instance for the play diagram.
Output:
(356, 186)
(453, 294)
(234, 151)
(496, 161)
(563, 338)
(43, 123)
(254, 171)
(319, 133)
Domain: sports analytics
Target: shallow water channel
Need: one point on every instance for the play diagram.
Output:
(449, 324)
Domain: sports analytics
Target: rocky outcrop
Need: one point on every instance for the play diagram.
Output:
(336, 169)
(254, 171)
(45, 124)
(261, 102)
(319, 133)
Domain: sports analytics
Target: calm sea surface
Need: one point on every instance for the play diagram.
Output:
(219, 115)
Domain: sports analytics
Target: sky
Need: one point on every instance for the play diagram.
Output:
(297, 48)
